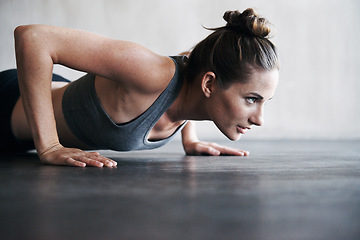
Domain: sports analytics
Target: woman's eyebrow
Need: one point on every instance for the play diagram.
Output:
(257, 95)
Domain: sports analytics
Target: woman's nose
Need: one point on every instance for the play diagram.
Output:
(257, 118)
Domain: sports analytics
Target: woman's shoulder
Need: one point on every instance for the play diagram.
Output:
(142, 69)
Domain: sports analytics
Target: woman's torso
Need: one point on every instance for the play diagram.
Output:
(120, 103)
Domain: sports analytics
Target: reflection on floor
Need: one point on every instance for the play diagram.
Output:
(283, 190)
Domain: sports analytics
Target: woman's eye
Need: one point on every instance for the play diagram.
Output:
(251, 100)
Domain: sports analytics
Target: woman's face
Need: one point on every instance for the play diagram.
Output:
(236, 109)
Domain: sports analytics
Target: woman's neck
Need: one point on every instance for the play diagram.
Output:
(188, 105)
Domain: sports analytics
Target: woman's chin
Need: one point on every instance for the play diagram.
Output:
(234, 137)
(231, 135)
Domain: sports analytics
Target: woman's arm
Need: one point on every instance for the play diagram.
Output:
(35, 63)
(35, 58)
(193, 146)
(38, 47)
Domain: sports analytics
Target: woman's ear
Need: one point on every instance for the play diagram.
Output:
(208, 83)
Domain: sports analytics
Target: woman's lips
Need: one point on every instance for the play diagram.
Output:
(242, 130)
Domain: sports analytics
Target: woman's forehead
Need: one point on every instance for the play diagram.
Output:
(261, 82)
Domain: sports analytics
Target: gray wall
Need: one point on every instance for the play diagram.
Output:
(317, 96)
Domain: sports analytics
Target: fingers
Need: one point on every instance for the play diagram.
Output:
(230, 151)
(73, 162)
(206, 149)
(216, 150)
(96, 160)
(79, 158)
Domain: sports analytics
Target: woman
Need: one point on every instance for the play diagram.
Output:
(132, 98)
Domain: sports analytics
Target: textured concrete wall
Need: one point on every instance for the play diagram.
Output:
(318, 43)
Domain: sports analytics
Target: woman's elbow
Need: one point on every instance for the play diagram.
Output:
(25, 35)
(22, 37)
(29, 41)
(22, 32)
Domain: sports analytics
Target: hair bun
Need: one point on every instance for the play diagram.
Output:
(247, 23)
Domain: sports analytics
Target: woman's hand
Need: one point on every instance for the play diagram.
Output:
(199, 148)
(193, 146)
(59, 155)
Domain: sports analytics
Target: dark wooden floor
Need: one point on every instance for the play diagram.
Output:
(283, 190)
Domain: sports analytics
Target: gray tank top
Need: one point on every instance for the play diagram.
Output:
(89, 122)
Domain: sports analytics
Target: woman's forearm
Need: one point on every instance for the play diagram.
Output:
(35, 64)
